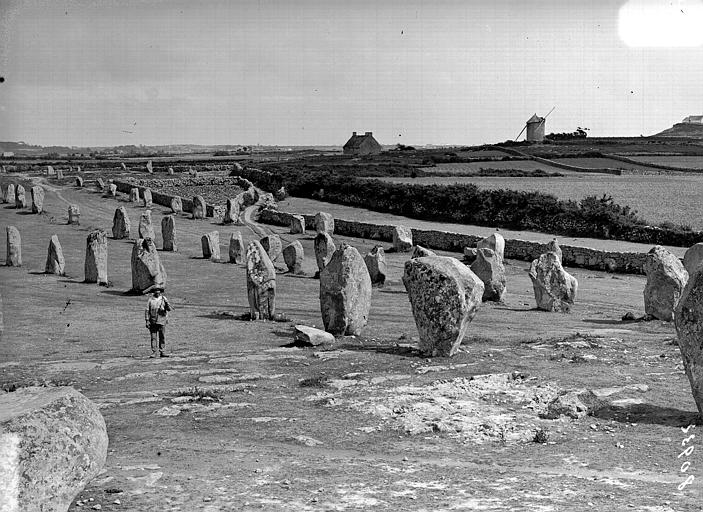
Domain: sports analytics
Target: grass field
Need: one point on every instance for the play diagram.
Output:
(690, 162)
(597, 163)
(527, 165)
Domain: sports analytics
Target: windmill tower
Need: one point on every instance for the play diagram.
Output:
(535, 127)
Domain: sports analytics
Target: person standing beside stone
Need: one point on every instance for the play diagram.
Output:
(156, 317)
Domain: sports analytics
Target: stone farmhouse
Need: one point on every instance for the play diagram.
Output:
(362, 145)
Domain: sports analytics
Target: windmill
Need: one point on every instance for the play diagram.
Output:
(535, 127)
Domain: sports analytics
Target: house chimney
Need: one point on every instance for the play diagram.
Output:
(353, 134)
(368, 133)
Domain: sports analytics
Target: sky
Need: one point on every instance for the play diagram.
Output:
(309, 72)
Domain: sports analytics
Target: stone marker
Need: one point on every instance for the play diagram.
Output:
(170, 171)
(324, 223)
(55, 263)
(324, 248)
(96, 257)
(199, 207)
(376, 265)
(555, 289)
(20, 197)
(147, 270)
(236, 248)
(53, 442)
(272, 245)
(134, 195)
(49, 170)
(112, 190)
(10, 193)
(311, 336)
(168, 233)
(402, 238)
(37, 193)
(210, 243)
(297, 224)
(267, 201)
(666, 279)
(693, 258)
(121, 226)
(74, 214)
(149, 167)
(14, 247)
(280, 194)
(99, 185)
(421, 252)
(261, 283)
(553, 247)
(293, 255)
(688, 318)
(148, 200)
(79, 181)
(146, 228)
(59, 174)
(78, 168)
(489, 268)
(444, 295)
(231, 211)
(124, 167)
(495, 242)
(176, 204)
(345, 292)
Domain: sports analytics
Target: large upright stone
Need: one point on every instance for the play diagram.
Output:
(10, 193)
(688, 318)
(293, 255)
(553, 247)
(495, 242)
(176, 204)
(168, 233)
(96, 257)
(231, 212)
(324, 249)
(37, 199)
(55, 263)
(147, 197)
(272, 245)
(20, 197)
(693, 258)
(444, 295)
(99, 184)
(324, 223)
(149, 167)
(297, 224)
(134, 195)
(170, 171)
(345, 292)
(112, 190)
(14, 247)
(488, 267)
(666, 278)
(74, 214)
(147, 271)
(261, 283)
(121, 226)
(402, 239)
(236, 248)
(59, 174)
(555, 289)
(146, 228)
(79, 181)
(210, 243)
(376, 265)
(199, 207)
(53, 442)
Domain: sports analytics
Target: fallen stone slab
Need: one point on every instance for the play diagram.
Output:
(53, 442)
(311, 335)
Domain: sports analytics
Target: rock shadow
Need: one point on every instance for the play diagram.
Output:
(391, 348)
(650, 414)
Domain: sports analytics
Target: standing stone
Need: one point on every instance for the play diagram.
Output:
(168, 233)
(78, 168)
(121, 226)
(148, 200)
(236, 248)
(147, 270)
(54, 442)
(666, 279)
(421, 252)
(112, 190)
(20, 197)
(688, 318)
(170, 171)
(37, 193)
(146, 228)
(402, 239)
(99, 185)
(555, 289)
(297, 224)
(293, 255)
(96, 257)
(261, 283)
(345, 292)
(231, 212)
(489, 268)
(324, 223)
(134, 195)
(49, 170)
(74, 214)
(124, 167)
(496, 243)
(444, 296)
(176, 204)
(199, 207)
(553, 247)
(272, 245)
(149, 167)
(14, 247)
(59, 174)
(324, 248)
(55, 263)
(376, 265)
(10, 193)
(693, 258)
(79, 181)
(280, 194)
(211, 245)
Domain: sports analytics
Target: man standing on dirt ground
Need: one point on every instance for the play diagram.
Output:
(156, 316)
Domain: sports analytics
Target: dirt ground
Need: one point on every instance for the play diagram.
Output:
(366, 423)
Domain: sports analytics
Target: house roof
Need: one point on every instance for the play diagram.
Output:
(355, 141)
(693, 119)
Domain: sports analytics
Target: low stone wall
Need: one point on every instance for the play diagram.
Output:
(160, 198)
(191, 181)
(560, 165)
(573, 256)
